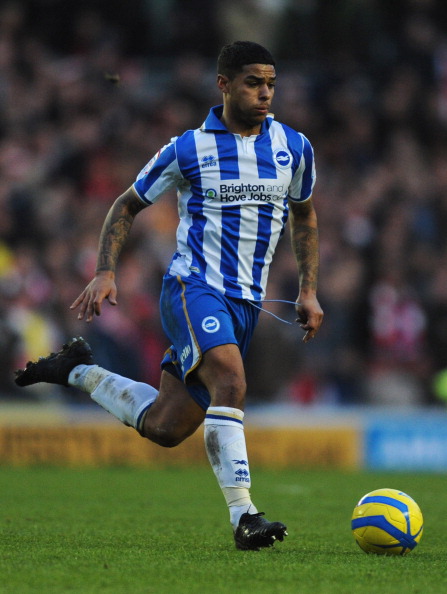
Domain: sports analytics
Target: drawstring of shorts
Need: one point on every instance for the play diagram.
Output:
(270, 312)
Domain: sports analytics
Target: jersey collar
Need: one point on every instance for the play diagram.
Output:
(214, 124)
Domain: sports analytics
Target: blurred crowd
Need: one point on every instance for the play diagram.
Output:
(89, 91)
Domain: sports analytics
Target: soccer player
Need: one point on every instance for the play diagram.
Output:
(239, 177)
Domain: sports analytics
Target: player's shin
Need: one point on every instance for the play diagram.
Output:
(125, 399)
(227, 453)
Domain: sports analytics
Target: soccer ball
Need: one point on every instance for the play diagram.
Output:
(387, 522)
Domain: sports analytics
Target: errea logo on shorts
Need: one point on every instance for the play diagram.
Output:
(283, 158)
(185, 353)
(210, 324)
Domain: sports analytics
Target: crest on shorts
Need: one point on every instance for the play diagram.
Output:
(210, 324)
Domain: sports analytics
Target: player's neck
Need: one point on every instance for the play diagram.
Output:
(237, 127)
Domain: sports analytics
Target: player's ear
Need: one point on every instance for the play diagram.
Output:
(223, 82)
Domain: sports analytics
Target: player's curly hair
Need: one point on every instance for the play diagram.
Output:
(234, 56)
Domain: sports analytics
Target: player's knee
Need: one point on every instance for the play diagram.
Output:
(229, 391)
(222, 372)
(162, 436)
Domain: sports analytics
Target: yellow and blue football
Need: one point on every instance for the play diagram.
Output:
(387, 522)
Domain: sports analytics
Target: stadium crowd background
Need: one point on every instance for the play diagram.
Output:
(365, 80)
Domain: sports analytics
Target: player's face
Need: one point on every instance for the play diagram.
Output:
(248, 96)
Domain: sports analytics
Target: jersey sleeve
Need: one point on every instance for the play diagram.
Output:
(160, 175)
(303, 180)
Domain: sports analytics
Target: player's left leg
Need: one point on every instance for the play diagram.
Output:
(210, 335)
(222, 371)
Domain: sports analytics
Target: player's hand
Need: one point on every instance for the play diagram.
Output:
(90, 300)
(310, 315)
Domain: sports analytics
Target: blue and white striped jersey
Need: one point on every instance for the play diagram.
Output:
(232, 199)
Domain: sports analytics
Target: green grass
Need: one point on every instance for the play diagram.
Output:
(166, 531)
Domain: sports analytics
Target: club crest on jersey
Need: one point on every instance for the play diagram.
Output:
(210, 324)
(209, 161)
(283, 158)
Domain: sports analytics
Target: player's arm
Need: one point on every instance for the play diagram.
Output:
(304, 235)
(114, 234)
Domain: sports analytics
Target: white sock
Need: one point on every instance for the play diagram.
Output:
(125, 399)
(227, 453)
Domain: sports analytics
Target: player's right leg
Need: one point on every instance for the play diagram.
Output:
(174, 415)
(167, 417)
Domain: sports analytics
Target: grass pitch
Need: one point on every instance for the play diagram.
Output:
(167, 531)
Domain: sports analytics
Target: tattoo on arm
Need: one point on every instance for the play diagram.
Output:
(305, 241)
(116, 229)
(305, 246)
